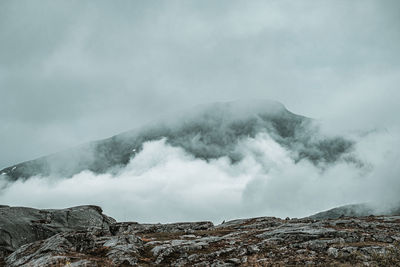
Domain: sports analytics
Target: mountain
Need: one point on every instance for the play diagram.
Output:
(357, 210)
(207, 132)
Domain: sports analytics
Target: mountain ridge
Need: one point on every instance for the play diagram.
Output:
(207, 132)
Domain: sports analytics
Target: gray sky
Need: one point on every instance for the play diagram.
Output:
(74, 71)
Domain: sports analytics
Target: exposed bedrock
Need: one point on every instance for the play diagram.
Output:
(83, 236)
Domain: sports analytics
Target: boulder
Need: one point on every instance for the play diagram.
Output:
(21, 225)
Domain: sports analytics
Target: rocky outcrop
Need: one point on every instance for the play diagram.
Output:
(21, 225)
(265, 241)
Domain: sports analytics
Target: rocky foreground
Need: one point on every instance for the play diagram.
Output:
(83, 236)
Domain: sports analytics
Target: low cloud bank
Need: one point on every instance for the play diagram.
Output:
(163, 183)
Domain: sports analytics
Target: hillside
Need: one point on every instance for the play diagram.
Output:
(207, 132)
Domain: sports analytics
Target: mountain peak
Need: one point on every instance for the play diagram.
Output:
(207, 132)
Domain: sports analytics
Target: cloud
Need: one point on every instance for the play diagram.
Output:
(72, 72)
(207, 132)
(163, 183)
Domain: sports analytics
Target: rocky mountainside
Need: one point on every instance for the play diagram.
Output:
(206, 132)
(358, 210)
(83, 236)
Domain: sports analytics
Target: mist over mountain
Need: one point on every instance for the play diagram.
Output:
(158, 112)
(215, 161)
(207, 132)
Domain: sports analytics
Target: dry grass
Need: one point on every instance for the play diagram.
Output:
(390, 258)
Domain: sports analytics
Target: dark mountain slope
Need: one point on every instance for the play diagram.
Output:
(207, 132)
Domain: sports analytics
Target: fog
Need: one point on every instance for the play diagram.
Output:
(74, 72)
(163, 183)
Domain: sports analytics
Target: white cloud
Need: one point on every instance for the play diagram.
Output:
(165, 184)
(102, 67)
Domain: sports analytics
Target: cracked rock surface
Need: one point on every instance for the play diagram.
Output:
(96, 240)
(20, 225)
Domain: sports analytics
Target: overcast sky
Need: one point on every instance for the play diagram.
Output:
(75, 71)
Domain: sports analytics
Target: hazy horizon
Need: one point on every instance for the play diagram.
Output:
(72, 72)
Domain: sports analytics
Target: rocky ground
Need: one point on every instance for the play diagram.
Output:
(83, 236)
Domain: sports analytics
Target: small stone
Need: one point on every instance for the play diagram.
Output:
(253, 249)
(333, 252)
(234, 261)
